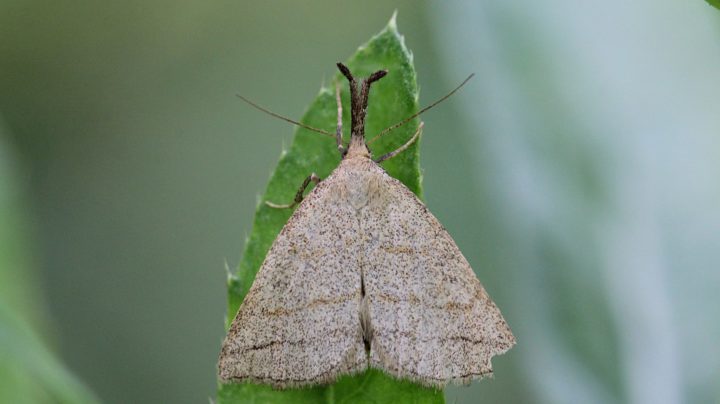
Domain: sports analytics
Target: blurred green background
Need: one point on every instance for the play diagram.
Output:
(578, 173)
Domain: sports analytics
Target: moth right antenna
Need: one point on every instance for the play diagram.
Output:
(410, 118)
(278, 116)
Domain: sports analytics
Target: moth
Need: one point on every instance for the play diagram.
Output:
(363, 275)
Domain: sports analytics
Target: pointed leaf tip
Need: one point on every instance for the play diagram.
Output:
(392, 24)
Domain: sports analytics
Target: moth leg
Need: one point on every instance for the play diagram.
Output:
(403, 147)
(299, 195)
(338, 130)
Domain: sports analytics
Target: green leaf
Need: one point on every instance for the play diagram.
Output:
(29, 371)
(391, 99)
(714, 3)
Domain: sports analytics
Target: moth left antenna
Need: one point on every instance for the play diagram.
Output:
(410, 118)
(278, 116)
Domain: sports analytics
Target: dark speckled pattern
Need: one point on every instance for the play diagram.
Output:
(424, 314)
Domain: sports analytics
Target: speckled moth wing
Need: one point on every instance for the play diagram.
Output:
(431, 320)
(299, 324)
